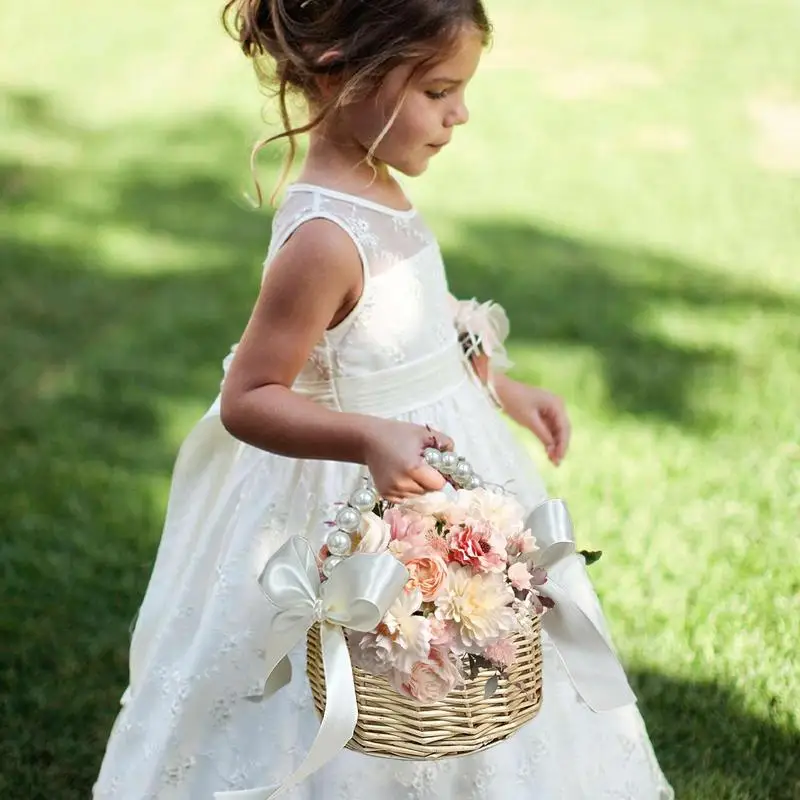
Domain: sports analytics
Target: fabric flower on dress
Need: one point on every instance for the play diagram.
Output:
(488, 323)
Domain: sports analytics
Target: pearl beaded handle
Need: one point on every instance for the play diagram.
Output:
(339, 542)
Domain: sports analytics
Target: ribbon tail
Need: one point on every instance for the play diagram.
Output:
(338, 721)
(591, 664)
(280, 676)
(278, 667)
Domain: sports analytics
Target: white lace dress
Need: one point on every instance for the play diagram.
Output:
(188, 725)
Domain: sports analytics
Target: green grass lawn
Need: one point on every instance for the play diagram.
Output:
(629, 188)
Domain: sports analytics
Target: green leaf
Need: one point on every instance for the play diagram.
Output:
(591, 556)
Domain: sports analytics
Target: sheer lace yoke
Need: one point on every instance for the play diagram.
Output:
(403, 315)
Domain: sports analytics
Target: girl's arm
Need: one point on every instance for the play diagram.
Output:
(313, 283)
(534, 408)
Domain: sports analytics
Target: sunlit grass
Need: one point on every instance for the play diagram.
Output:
(627, 188)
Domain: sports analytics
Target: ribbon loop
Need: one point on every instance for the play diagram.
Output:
(582, 647)
(357, 595)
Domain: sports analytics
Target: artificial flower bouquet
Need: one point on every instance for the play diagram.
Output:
(473, 591)
(423, 621)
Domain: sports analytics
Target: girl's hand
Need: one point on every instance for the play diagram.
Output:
(539, 411)
(393, 453)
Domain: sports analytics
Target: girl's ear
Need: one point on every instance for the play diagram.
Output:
(330, 82)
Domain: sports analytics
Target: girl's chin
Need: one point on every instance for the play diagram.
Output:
(412, 170)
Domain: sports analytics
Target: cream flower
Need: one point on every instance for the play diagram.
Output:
(375, 534)
(407, 634)
(479, 604)
(499, 510)
(372, 652)
(432, 504)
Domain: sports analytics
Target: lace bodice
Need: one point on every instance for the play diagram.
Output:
(404, 313)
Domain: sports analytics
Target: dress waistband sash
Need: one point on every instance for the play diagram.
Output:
(389, 392)
(393, 391)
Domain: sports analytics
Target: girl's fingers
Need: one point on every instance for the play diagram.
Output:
(540, 428)
(439, 440)
(414, 486)
(566, 435)
(428, 479)
(563, 429)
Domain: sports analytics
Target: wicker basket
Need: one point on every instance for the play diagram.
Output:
(393, 726)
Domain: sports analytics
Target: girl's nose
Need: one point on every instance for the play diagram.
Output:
(458, 116)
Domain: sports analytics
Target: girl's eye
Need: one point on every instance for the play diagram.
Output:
(437, 95)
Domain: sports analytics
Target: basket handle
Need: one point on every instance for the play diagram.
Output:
(339, 543)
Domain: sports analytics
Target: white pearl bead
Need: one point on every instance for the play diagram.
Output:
(348, 519)
(449, 462)
(364, 499)
(433, 457)
(330, 564)
(463, 471)
(473, 482)
(339, 543)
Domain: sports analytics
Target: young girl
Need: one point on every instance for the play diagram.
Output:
(350, 364)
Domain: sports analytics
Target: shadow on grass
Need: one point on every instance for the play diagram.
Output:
(575, 294)
(710, 747)
(104, 336)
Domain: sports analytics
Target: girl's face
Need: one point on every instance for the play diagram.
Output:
(431, 105)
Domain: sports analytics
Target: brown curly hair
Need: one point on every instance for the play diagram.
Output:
(295, 43)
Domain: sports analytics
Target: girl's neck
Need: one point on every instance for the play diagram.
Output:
(342, 166)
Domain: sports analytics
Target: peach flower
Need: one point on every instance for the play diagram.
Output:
(428, 574)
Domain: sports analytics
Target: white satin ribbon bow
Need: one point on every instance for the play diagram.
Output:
(357, 595)
(586, 654)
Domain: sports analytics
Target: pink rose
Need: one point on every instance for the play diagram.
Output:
(519, 576)
(428, 575)
(503, 652)
(429, 681)
(406, 526)
(478, 546)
